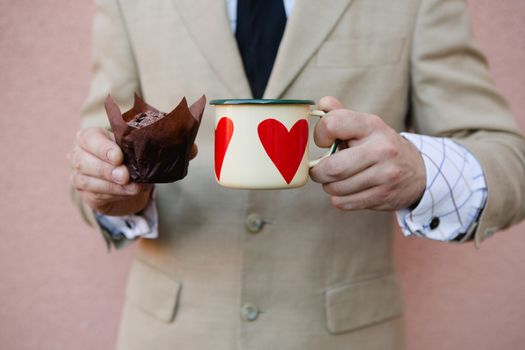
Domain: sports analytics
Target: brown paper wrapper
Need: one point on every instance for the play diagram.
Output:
(158, 152)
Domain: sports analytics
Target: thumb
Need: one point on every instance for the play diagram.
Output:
(329, 103)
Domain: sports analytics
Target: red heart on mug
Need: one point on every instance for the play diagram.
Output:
(285, 148)
(223, 135)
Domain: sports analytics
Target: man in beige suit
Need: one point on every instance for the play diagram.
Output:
(309, 268)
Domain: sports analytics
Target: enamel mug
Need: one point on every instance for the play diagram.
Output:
(263, 144)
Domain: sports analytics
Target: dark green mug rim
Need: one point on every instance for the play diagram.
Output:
(248, 101)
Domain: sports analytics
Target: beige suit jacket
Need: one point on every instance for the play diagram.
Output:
(316, 277)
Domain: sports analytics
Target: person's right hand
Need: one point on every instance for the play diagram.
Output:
(100, 177)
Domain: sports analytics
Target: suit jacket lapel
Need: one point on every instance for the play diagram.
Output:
(308, 26)
(208, 24)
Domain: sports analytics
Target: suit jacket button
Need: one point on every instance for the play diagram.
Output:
(254, 223)
(249, 312)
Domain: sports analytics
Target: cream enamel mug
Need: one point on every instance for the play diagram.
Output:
(263, 144)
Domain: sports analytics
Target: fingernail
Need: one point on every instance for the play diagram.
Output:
(112, 154)
(131, 188)
(118, 174)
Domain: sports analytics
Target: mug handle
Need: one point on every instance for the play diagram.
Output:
(333, 147)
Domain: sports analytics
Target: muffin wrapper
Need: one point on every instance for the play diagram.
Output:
(158, 152)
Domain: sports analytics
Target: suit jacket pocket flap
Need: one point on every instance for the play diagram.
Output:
(153, 291)
(363, 303)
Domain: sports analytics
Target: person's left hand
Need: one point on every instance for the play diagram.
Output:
(375, 167)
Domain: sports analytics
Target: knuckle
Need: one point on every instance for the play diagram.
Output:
(79, 135)
(92, 139)
(335, 188)
(76, 160)
(329, 188)
(331, 123)
(83, 134)
(104, 171)
(337, 202)
(375, 121)
(80, 181)
(388, 150)
(391, 150)
(333, 169)
(315, 174)
(393, 174)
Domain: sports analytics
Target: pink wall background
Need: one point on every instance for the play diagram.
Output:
(59, 289)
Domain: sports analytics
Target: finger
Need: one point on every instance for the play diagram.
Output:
(92, 184)
(102, 203)
(120, 175)
(359, 182)
(194, 151)
(87, 164)
(114, 204)
(98, 142)
(101, 198)
(343, 124)
(329, 103)
(371, 198)
(104, 197)
(342, 165)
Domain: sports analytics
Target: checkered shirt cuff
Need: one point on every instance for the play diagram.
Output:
(455, 193)
(143, 224)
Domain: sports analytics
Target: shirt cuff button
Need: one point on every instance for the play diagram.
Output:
(434, 223)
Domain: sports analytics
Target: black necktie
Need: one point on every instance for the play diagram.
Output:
(260, 27)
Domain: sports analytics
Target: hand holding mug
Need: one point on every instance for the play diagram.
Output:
(375, 167)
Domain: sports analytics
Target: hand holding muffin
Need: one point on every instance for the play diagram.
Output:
(100, 177)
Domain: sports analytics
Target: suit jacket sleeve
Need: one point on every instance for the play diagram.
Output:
(454, 96)
(113, 71)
